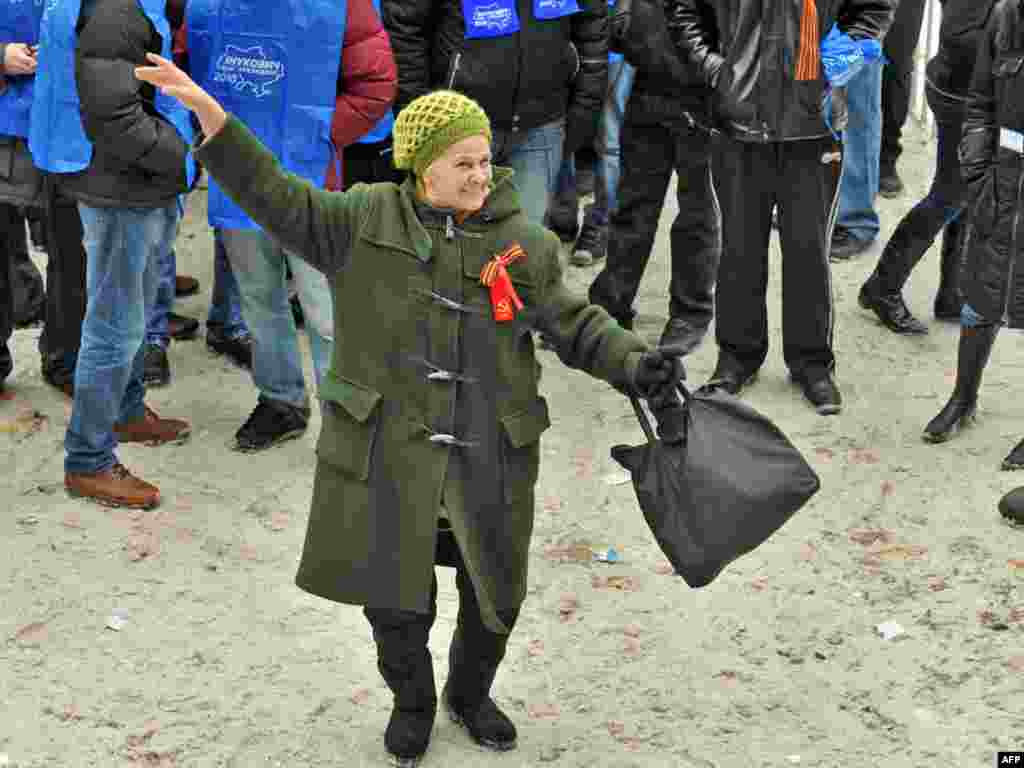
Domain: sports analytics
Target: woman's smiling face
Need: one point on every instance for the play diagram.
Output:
(460, 178)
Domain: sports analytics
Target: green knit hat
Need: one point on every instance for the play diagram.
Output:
(431, 123)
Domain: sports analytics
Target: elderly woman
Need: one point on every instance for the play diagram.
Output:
(429, 449)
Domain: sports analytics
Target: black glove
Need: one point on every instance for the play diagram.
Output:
(657, 376)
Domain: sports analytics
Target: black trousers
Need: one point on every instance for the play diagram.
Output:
(899, 45)
(12, 226)
(403, 657)
(369, 163)
(801, 178)
(65, 286)
(650, 152)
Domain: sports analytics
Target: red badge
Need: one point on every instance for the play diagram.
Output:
(495, 276)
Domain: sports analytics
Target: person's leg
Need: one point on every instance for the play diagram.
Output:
(65, 289)
(317, 300)
(808, 180)
(226, 331)
(977, 336)
(858, 224)
(563, 213)
(536, 159)
(695, 243)
(744, 176)
(282, 412)
(899, 45)
(914, 235)
(404, 661)
(592, 244)
(473, 660)
(9, 220)
(647, 161)
(158, 308)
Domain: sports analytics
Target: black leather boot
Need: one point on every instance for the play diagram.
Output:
(948, 301)
(889, 307)
(1011, 506)
(972, 356)
(405, 664)
(473, 661)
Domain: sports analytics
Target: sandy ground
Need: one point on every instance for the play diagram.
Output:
(221, 661)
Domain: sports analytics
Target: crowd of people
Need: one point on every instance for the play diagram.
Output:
(417, 162)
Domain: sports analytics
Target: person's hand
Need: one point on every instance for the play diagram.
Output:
(19, 59)
(726, 107)
(166, 76)
(658, 373)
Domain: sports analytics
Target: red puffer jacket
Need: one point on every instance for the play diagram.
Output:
(367, 79)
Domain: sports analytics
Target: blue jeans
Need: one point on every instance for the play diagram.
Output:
(535, 156)
(125, 248)
(609, 148)
(159, 309)
(259, 267)
(225, 300)
(862, 141)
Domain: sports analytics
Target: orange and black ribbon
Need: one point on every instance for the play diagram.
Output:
(494, 275)
(808, 64)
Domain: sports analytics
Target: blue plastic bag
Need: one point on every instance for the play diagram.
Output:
(842, 57)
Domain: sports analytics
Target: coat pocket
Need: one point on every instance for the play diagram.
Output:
(351, 419)
(522, 448)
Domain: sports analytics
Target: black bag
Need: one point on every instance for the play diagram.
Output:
(728, 485)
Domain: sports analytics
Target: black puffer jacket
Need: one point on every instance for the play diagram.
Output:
(549, 69)
(963, 22)
(747, 51)
(138, 156)
(993, 282)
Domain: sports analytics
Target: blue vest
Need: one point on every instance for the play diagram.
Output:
(19, 23)
(57, 140)
(274, 65)
(381, 130)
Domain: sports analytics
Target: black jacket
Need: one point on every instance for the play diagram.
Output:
(757, 96)
(138, 156)
(994, 276)
(963, 22)
(547, 70)
(666, 88)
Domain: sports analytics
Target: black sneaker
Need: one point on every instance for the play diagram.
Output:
(845, 246)
(591, 245)
(563, 219)
(821, 391)
(181, 328)
(237, 349)
(890, 185)
(271, 423)
(156, 371)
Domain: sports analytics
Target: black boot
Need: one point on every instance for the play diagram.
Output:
(1015, 460)
(972, 356)
(1011, 506)
(948, 301)
(473, 660)
(889, 307)
(405, 664)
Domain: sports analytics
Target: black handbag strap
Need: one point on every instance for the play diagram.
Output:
(645, 422)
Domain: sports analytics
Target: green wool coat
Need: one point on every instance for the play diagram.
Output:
(431, 406)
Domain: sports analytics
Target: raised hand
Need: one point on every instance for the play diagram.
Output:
(172, 81)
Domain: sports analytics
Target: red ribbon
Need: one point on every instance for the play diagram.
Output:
(494, 275)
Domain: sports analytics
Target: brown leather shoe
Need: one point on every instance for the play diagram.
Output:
(152, 430)
(116, 487)
(185, 285)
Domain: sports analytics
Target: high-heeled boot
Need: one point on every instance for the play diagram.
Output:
(972, 356)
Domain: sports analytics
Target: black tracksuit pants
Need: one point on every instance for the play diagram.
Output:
(65, 286)
(802, 179)
(649, 152)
